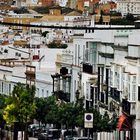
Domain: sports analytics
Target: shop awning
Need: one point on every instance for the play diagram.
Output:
(124, 123)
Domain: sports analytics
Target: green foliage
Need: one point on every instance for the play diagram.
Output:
(130, 17)
(102, 122)
(64, 46)
(2, 101)
(113, 122)
(56, 111)
(41, 109)
(97, 124)
(52, 110)
(101, 17)
(47, 110)
(2, 105)
(45, 33)
(115, 13)
(20, 106)
(57, 45)
(41, 10)
(69, 114)
(62, 95)
(128, 20)
(21, 10)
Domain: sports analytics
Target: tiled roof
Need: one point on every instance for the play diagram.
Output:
(74, 13)
(52, 18)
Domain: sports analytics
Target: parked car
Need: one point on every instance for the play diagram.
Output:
(31, 128)
(68, 138)
(54, 134)
(67, 134)
(34, 129)
(42, 136)
(50, 134)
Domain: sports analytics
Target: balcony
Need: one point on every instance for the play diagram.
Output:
(120, 47)
(115, 94)
(128, 107)
(87, 68)
(106, 55)
(30, 73)
(65, 96)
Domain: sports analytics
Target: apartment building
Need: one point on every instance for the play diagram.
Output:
(18, 64)
(117, 58)
(128, 6)
(102, 64)
(105, 69)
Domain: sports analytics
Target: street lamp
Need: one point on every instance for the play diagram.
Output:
(105, 90)
(77, 93)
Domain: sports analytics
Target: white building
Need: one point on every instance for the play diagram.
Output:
(62, 3)
(128, 6)
(110, 58)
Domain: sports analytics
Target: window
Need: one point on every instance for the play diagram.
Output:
(47, 93)
(75, 54)
(129, 87)
(42, 92)
(134, 88)
(37, 92)
(111, 78)
(134, 92)
(2, 87)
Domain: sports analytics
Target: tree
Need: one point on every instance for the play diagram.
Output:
(21, 10)
(41, 109)
(57, 44)
(45, 33)
(42, 9)
(105, 122)
(130, 17)
(101, 17)
(20, 106)
(97, 124)
(2, 105)
(52, 116)
(67, 112)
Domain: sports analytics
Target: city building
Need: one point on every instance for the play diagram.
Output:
(128, 6)
(102, 65)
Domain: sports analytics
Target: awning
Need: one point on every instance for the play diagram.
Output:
(124, 123)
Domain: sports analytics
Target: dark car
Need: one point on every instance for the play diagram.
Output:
(54, 134)
(42, 136)
(50, 134)
(31, 129)
(68, 134)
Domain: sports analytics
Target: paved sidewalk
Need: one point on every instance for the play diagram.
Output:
(30, 138)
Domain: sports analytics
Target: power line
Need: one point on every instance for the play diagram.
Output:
(71, 27)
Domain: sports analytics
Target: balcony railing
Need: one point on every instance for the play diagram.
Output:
(115, 94)
(129, 107)
(87, 68)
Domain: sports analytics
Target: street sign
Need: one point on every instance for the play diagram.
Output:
(88, 120)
